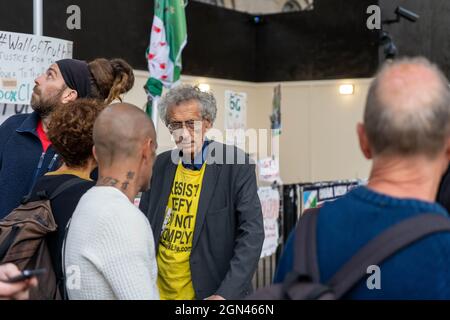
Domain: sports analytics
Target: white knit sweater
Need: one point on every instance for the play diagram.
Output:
(110, 250)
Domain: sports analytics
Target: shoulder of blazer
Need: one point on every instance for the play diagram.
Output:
(231, 149)
(163, 159)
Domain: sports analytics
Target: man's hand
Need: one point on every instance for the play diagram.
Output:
(215, 297)
(15, 291)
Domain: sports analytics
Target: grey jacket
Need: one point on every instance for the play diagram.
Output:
(229, 230)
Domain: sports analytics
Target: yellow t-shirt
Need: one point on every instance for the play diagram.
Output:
(175, 244)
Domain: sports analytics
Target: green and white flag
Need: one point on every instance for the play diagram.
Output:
(167, 40)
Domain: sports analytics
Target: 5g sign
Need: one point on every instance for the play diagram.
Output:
(235, 102)
(235, 110)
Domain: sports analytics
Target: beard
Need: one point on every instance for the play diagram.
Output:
(44, 105)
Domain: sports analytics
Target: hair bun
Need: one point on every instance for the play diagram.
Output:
(124, 72)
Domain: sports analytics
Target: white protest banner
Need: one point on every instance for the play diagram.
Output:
(23, 57)
(235, 114)
(270, 204)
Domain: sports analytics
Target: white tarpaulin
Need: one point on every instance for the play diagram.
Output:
(23, 57)
(270, 203)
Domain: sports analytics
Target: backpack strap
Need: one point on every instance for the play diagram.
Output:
(63, 264)
(305, 267)
(63, 187)
(42, 194)
(305, 256)
(66, 185)
(389, 242)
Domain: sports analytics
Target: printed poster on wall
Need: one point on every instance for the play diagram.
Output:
(269, 169)
(235, 114)
(23, 57)
(275, 118)
(270, 204)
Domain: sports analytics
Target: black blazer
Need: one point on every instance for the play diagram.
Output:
(229, 230)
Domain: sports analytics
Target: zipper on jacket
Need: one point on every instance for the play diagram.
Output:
(50, 166)
(36, 173)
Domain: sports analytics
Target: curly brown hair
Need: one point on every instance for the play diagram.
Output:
(70, 130)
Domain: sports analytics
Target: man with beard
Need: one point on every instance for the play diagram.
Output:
(25, 151)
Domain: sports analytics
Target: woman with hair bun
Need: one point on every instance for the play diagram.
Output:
(111, 78)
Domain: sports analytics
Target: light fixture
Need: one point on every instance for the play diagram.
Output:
(204, 87)
(345, 89)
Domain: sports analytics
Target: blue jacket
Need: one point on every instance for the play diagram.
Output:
(420, 271)
(22, 159)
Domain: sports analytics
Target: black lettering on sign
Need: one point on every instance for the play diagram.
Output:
(188, 236)
(178, 221)
(168, 235)
(177, 188)
(187, 222)
(184, 189)
(175, 203)
(19, 108)
(189, 190)
(178, 235)
(182, 221)
(196, 189)
(180, 204)
(189, 204)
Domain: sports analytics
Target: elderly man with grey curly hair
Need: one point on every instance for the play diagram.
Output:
(203, 206)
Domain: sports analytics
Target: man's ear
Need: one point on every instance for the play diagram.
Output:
(94, 153)
(147, 149)
(363, 141)
(208, 125)
(69, 95)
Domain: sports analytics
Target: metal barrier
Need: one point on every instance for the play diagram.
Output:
(292, 205)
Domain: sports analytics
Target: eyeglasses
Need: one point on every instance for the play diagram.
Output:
(190, 125)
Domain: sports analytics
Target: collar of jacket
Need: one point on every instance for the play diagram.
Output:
(30, 124)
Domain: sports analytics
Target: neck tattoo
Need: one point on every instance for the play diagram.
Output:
(113, 182)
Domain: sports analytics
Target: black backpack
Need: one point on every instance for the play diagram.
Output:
(303, 283)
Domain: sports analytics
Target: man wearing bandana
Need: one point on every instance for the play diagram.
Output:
(25, 151)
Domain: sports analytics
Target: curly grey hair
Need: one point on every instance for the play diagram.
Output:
(183, 93)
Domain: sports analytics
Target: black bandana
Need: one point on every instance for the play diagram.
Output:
(76, 76)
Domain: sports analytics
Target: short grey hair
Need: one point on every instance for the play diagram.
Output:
(394, 127)
(184, 93)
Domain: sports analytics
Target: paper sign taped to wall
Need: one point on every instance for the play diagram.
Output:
(23, 57)
(269, 169)
(270, 204)
(235, 116)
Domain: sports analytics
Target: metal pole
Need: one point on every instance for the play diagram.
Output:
(155, 114)
(38, 17)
